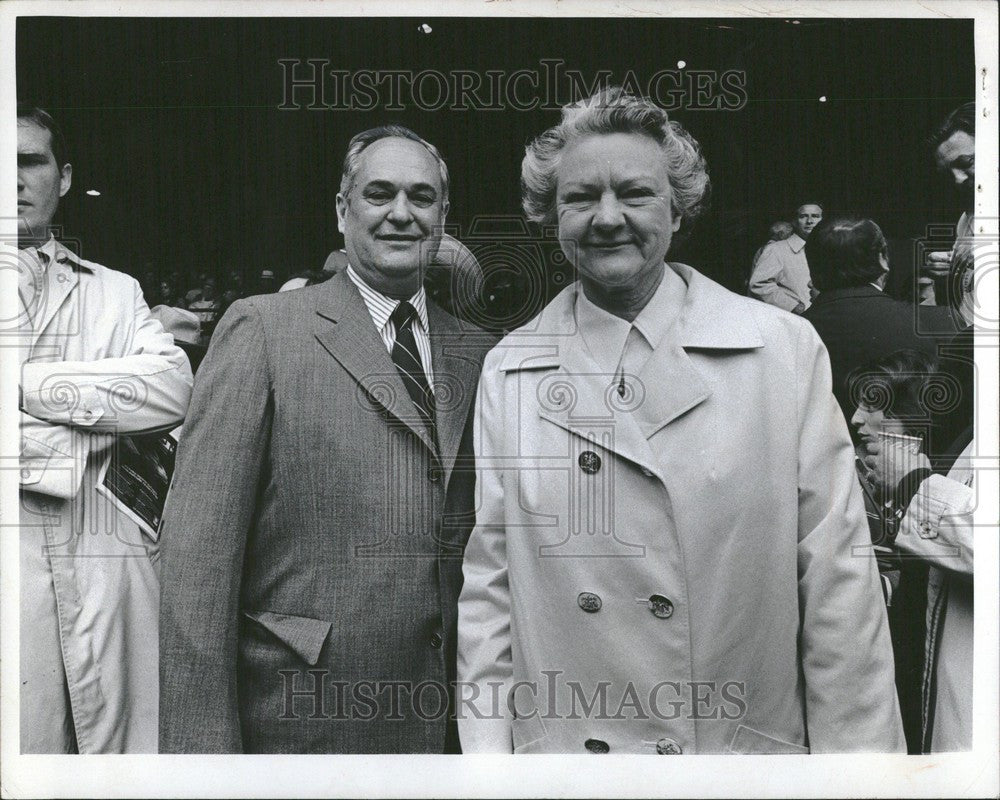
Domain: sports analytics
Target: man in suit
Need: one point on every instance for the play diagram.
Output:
(324, 493)
(857, 321)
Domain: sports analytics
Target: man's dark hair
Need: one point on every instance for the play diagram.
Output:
(43, 119)
(903, 385)
(843, 252)
(962, 118)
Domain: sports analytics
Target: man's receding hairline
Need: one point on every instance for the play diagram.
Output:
(437, 167)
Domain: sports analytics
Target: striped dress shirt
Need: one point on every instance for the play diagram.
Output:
(381, 307)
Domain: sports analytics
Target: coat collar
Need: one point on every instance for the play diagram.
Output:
(668, 386)
(61, 275)
(711, 318)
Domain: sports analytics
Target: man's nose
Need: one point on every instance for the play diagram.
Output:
(858, 419)
(400, 212)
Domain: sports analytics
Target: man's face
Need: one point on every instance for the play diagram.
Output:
(40, 181)
(392, 214)
(807, 218)
(956, 157)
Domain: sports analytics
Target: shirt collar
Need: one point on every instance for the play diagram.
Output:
(796, 242)
(381, 307)
(605, 334)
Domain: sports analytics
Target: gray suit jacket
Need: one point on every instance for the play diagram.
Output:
(313, 537)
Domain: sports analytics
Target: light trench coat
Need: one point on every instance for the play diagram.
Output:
(95, 364)
(686, 569)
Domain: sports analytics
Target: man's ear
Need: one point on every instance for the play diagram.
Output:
(341, 211)
(445, 207)
(676, 222)
(65, 179)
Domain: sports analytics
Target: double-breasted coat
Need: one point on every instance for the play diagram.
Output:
(314, 534)
(686, 569)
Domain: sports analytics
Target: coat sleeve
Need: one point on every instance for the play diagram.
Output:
(221, 466)
(765, 281)
(846, 652)
(937, 525)
(485, 670)
(53, 457)
(144, 389)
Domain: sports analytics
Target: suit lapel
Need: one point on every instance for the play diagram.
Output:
(456, 366)
(346, 331)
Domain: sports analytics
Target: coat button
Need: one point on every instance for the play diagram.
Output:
(668, 747)
(589, 602)
(436, 640)
(597, 746)
(26, 473)
(660, 606)
(589, 461)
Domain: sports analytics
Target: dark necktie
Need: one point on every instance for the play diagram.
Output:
(406, 357)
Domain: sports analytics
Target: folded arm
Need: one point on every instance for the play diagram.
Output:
(145, 389)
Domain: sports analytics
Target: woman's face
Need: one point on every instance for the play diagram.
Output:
(613, 206)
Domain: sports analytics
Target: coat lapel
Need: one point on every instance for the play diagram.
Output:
(61, 278)
(346, 331)
(574, 394)
(582, 401)
(711, 318)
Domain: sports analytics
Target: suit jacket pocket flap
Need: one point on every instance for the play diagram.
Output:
(750, 741)
(304, 635)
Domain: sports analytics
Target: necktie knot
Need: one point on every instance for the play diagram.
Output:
(403, 315)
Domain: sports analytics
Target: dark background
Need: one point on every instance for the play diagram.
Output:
(176, 123)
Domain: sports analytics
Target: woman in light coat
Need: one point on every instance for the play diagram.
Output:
(671, 553)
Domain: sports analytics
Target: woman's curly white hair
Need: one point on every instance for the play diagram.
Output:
(614, 110)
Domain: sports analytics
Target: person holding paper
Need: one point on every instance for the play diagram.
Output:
(930, 517)
(95, 365)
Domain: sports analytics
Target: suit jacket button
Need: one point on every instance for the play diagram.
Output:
(668, 747)
(436, 640)
(589, 602)
(589, 461)
(597, 746)
(660, 606)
